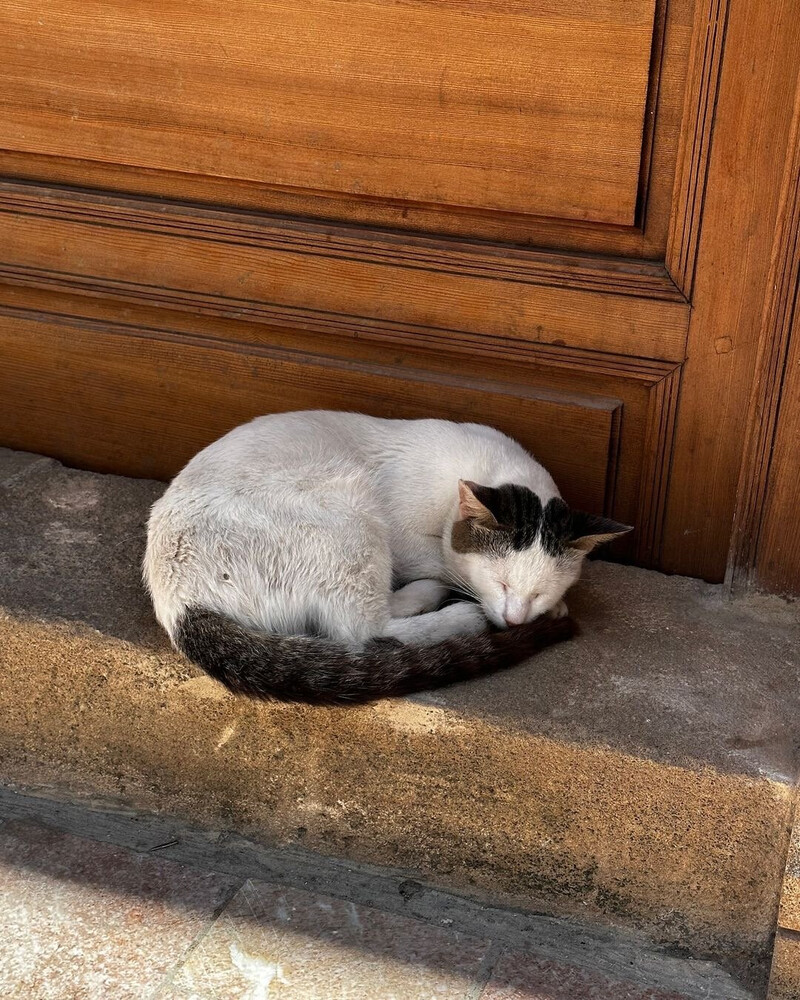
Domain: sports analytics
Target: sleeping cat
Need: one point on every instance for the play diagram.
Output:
(272, 556)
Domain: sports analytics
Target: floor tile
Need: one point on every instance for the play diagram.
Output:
(273, 943)
(86, 921)
(520, 976)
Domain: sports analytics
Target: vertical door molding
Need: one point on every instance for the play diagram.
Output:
(765, 549)
(702, 86)
(750, 142)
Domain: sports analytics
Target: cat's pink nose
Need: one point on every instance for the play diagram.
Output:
(515, 611)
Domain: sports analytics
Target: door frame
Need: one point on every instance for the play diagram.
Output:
(745, 67)
(765, 548)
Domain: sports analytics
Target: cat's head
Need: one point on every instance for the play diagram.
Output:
(516, 556)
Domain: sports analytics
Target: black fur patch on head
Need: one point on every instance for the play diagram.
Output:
(557, 527)
(518, 520)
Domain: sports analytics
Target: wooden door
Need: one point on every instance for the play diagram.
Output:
(555, 216)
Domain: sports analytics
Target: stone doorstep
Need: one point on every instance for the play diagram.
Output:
(641, 776)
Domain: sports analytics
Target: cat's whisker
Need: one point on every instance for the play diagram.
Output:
(459, 579)
(457, 583)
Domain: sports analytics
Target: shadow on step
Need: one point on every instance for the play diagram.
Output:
(77, 908)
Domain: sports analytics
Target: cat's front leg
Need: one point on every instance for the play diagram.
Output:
(559, 611)
(455, 620)
(416, 598)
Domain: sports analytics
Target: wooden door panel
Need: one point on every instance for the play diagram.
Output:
(126, 399)
(239, 264)
(535, 108)
(62, 357)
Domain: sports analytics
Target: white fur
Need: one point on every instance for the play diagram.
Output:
(316, 515)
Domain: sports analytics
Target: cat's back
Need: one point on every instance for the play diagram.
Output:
(272, 485)
(453, 450)
(275, 469)
(282, 441)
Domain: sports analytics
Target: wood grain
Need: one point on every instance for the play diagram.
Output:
(642, 434)
(525, 107)
(778, 562)
(272, 270)
(705, 67)
(348, 208)
(656, 464)
(143, 402)
(622, 276)
(647, 238)
(752, 130)
(765, 551)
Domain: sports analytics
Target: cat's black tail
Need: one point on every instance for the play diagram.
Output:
(311, 669)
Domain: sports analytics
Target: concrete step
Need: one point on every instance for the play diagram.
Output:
(639, 778)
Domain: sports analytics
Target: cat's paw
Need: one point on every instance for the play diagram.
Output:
(416, 598)
(559, 611)
(463, 618)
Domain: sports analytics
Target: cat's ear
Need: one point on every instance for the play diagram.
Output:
(470, 506)
(589, 531)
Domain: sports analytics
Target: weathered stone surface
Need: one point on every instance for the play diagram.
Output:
(82, 920)
(666, 668)
(784, 981)
(518, 976)
(17, 463)
(789, 913)
(313, 947)
(71, 545)
(591, 951)
(641, 774)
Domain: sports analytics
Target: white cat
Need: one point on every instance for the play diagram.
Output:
(271, 558)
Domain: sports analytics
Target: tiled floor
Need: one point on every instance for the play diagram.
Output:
(86, 921)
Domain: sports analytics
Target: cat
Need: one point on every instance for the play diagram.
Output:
(271, 558)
